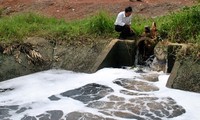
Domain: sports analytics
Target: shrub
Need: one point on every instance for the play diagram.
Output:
(182, 26)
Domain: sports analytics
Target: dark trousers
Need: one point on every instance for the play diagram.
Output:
(125, 31)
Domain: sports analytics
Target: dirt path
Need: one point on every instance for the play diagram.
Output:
(76, 9)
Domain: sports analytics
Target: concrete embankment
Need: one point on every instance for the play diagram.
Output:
(39, 54)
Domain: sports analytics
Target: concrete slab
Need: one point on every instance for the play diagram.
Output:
(116, 54)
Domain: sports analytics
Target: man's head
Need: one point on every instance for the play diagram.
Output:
(128, 11)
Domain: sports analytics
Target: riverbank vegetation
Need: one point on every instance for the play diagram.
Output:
(183, 26)
(180, 26)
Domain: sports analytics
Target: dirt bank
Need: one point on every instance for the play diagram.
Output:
(76, 9)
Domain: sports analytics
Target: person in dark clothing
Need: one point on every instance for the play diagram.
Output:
(123, 23)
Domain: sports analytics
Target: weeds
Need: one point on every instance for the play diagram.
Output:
(182, 26)
(101, 24)
(21, 26)
(138, 24)
(26, 25)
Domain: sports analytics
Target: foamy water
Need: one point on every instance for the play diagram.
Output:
(33, 91)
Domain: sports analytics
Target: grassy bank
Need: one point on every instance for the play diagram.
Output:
(182, 26)
(20, 26)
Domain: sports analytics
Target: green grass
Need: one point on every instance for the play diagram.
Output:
(100, 24)
(182, 26)
(138, 24)
(179, 26)
(20, 26)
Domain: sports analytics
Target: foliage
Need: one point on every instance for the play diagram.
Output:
(138, 24)
(182, 26)
(189, 52)
(101, 24)
(20, 26)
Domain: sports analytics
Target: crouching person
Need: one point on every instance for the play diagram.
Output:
(123, 24)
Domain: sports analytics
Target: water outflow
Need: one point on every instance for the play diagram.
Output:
(122, 53)
(136, 57)
(139, 60)
(151, 62)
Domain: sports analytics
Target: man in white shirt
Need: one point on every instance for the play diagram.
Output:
(123, 23)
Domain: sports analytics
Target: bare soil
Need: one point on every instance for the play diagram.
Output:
(76, 9)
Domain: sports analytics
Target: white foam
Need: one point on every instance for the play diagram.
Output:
(33, 91)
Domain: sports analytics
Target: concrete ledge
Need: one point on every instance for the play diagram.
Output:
(116, 54)
(172, 50)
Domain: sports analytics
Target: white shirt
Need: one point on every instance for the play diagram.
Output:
(122, 19)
